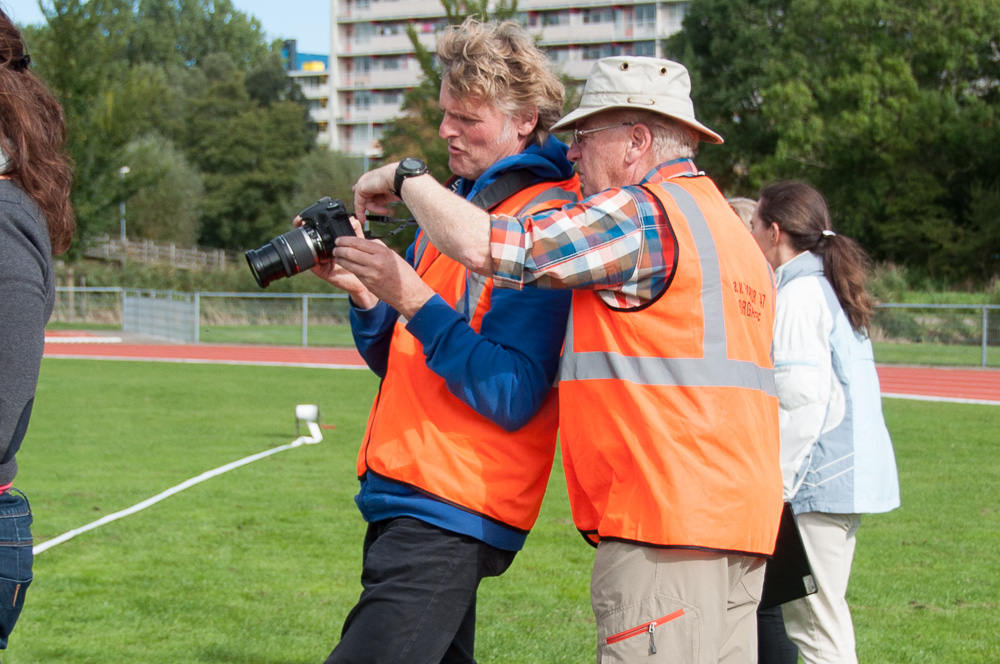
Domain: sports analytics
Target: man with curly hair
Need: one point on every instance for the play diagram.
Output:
(461, 438)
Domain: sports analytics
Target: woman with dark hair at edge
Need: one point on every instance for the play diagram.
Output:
(36, 219)
(836, 456)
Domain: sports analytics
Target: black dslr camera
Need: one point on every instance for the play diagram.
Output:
(301, 248)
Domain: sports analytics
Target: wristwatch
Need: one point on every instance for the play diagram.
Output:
(408, 168)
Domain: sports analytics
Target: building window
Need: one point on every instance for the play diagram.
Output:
(598, 51)
(600, 15)
(556, 18)
(646, 48)
(390, 29)
(559, 55)
(645, 14)
(363, 32)
(676, 11)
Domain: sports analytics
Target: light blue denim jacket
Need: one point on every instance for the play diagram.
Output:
(850, 468)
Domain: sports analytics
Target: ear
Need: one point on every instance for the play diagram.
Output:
(526, 122)
(640, 142)
(776, 233)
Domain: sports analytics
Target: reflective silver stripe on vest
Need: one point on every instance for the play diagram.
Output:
(474, 285)
(715, 369)
(418, 251)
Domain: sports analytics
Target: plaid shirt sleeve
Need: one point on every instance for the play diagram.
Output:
(616, 242)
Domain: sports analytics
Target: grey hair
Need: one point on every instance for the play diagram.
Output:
(671, 139)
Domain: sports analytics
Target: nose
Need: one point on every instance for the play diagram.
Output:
(445, 130)
(574, 153)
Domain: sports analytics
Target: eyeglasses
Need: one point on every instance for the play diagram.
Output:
(580, 134)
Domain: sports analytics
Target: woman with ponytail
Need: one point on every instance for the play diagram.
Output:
(836, 456)
(35, 218)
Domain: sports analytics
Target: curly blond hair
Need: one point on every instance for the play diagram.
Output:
(499, 63)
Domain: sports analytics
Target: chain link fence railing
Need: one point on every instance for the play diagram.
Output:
(935, 334)
(946, 334)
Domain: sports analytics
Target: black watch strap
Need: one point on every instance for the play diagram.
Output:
(408, 168)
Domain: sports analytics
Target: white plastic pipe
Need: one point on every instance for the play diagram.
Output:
(307, 413)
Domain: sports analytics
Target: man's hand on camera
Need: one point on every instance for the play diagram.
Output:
(384, 273)
(373, 191)
(328, 270)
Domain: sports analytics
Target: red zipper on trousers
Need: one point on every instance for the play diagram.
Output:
(645, 628)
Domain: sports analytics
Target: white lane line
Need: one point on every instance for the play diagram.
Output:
(315, 437)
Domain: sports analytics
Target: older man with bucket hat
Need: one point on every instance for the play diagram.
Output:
(668, 414)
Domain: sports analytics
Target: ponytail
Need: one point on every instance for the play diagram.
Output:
(846, 267)
(801, 212)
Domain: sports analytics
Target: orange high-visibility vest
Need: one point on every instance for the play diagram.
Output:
(422, 435)
(669, 419)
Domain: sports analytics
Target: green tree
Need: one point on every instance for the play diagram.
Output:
(185, 32)
(325, 173)
(248, 155)
(268, 82)
(169, 192)
(124, 69)
(888, 108)
(728, 46)
(106, 101)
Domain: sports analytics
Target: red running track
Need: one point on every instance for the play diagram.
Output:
(336, 358)
(980, 385)
(975, 385)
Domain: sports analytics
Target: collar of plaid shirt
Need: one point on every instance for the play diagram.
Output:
(672, 169)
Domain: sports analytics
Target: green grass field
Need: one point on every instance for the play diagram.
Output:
(260, 565)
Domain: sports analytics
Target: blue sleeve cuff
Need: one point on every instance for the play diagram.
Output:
(428, 322)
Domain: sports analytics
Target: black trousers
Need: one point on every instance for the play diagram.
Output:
(418, 603)
(773, 644)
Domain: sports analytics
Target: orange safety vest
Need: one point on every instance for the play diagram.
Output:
(422, 435)
(669, 418)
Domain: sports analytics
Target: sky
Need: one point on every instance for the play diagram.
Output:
(305, 21)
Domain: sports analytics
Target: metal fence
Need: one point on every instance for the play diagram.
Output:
(937, 334)
(902, 333)
(276, 318)
(151, 251)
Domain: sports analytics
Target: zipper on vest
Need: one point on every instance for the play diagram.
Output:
(645, 628)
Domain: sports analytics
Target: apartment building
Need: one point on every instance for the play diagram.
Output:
(371, 61)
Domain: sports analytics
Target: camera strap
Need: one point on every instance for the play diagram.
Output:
(401, 225)
(505, 186)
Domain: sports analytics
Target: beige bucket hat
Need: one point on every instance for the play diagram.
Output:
(650, 84)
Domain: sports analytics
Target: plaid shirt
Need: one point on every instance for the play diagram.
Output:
(616, 242)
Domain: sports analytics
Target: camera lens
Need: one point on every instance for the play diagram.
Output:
(284, 256)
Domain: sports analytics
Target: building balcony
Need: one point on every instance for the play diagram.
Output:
(316, 91)
(594, 33)
(383, 45)
(577, 69)
(319, 114)
(539, 5)
(381, 80)
(374, 114)
(393, 9)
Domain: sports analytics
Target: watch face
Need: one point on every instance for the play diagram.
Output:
(411, 164)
